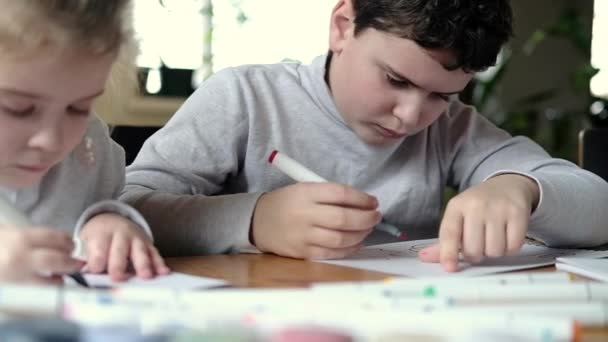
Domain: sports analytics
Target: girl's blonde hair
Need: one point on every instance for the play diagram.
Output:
(80, 26)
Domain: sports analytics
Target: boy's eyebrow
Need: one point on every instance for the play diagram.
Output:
(401, 77)
(36, 96)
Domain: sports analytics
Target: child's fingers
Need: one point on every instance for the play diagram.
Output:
(119, 257)
(335, 239)
(430, 253)
(495, 239)
(516, 233)
(98, 250)
(335, 217)
(157, 260)
(43, 280)
(141, 260)
(54, 262)
(48, 238)
(342, 195)
(319, 253)
(450, 237)
(473, 238)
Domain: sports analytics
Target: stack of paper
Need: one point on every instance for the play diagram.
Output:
(401, 258)
(587, 267)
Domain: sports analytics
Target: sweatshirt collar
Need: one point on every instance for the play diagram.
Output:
(314, 80)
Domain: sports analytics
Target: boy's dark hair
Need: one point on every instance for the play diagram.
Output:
(475, 30)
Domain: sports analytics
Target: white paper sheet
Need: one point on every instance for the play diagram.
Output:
(592, 268)
(174, 280)
(401, 258)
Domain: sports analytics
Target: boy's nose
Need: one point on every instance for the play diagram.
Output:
(409, 112)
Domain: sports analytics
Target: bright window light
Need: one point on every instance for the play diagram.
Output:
(273, 31)
(599, 53)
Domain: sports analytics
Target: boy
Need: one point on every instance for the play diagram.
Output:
(378, 115)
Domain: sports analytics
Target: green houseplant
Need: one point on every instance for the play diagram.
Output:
(553, 128)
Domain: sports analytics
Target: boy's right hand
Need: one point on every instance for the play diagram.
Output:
(313, 220)
(29, 254)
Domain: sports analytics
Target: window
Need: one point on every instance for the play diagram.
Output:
(599, 54)
(174, 31)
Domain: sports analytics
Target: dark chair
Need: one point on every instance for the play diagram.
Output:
(593, 151)
(131, 139)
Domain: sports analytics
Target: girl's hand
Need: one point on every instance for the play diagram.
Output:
(113, 240)
(35, 255)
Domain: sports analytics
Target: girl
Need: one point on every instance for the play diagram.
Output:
(57, 162)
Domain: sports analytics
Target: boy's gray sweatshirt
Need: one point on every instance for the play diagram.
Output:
(197, 179)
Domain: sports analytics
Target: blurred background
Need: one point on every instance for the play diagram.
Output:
(548, 84)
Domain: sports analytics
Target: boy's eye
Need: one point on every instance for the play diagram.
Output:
(396, 82)
(442, 97)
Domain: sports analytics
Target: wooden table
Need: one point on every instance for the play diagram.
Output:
(271, 271)
(266, 270)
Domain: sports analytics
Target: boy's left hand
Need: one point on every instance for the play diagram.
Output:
(487, 220)
(113, 240)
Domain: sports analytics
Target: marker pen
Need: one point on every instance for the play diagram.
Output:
(477, 293)
(29, 299)
(440, 325)
(488, 294)
(589, 314)
(300, 173)
(498, 279)
(403, 287)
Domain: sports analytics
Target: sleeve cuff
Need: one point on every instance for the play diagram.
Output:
(112, 206)
(539, 206)
(251, 249)
(244, 245)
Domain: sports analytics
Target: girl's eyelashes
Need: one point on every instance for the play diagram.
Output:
(18, 112)
(79, 111)
(16, 106)
(24, 112)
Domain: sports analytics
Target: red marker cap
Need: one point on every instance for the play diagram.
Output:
(273, 154)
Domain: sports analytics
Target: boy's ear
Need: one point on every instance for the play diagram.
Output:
(342, 25)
